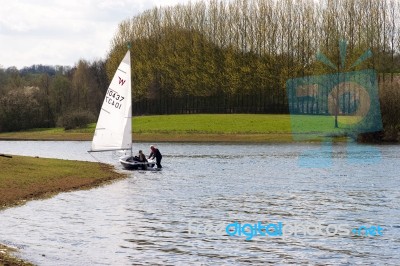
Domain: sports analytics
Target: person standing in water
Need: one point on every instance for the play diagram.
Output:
(155, 153)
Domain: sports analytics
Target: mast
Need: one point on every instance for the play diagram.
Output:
(131, 113)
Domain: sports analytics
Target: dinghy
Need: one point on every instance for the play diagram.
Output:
(114, 126)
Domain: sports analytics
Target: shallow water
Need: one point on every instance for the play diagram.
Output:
(172, 217)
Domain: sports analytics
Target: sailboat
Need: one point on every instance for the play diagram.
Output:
(114, 126)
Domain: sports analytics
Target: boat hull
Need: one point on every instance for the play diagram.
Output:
(130, 163)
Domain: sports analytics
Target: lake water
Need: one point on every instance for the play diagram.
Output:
(320, 195)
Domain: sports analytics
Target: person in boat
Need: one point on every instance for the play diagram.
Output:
(142, 158)
(155, 153)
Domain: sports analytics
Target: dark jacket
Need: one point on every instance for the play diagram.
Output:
(155, 154)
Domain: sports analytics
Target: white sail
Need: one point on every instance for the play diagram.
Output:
(114, 126)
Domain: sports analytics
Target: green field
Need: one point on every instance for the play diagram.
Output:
(207, 127)
(213, 124)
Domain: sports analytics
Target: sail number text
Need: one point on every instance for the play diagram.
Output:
(114, 99)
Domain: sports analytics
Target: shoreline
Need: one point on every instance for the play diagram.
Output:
(6, 257)
(65, 176)
(273, 138)
(175, 137)
(156, 137)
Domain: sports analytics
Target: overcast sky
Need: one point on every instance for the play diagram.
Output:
(60, 32)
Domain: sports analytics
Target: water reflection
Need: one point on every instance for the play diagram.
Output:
(145, 219)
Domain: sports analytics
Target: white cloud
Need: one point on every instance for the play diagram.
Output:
(60, 32)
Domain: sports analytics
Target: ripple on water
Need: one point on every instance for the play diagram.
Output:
(178, 216)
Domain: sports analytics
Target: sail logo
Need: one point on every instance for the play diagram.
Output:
(121, 81)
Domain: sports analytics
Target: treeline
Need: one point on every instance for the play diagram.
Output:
(216, 56)
(203, 48)
(49, 96)
(212, 48)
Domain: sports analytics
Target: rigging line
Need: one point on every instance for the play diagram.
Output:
(90, 153)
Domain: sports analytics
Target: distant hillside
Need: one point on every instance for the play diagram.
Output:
(44, 69)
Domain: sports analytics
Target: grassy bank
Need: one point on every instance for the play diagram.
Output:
(202, 128)
(6, 259)
(24, 178)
